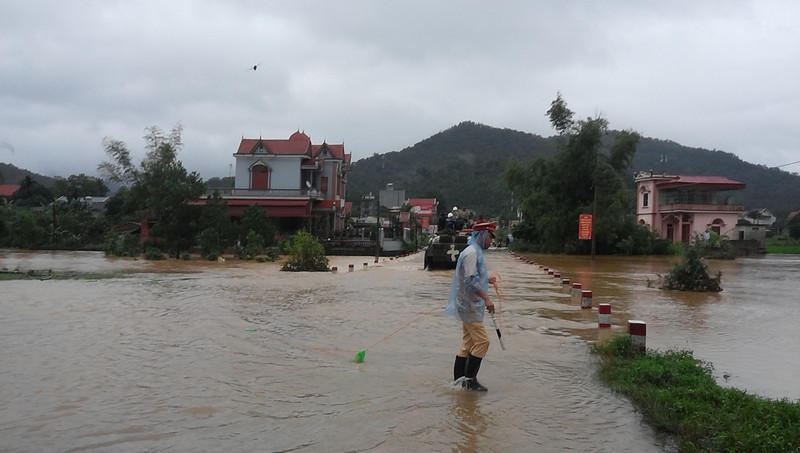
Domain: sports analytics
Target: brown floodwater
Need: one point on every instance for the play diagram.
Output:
(197, 356)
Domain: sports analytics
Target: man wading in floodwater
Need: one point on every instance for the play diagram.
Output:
(468, 301)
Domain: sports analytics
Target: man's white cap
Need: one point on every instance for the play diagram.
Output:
(455, 208)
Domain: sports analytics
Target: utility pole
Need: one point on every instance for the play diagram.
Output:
(594, 220)
(378, 218)
(378, 228)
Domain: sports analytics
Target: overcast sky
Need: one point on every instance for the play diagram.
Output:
(379, 76)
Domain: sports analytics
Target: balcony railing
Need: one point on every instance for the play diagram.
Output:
(270, 193)
(688, 207)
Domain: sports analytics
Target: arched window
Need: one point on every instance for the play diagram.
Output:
(716, 225)
(645, 197)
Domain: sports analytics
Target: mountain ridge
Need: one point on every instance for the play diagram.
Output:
(464, 165)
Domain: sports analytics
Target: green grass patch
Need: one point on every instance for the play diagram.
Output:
(678, 395)
(784, 249)
(783, 245)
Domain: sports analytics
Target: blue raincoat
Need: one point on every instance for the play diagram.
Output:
(470, 277)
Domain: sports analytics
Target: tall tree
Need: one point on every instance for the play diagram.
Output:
(79, 186)
(31, 194)
(215, 226)
(555, 190)
(253, 219)
(159, 187)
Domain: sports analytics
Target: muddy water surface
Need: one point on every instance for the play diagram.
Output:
(193, 356)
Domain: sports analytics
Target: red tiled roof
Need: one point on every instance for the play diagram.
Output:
(6, 190)
(708, 181)
(283, 147)
(299, 136)
(336, 151)
(297, 144)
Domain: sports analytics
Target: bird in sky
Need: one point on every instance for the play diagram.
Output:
(254, 67)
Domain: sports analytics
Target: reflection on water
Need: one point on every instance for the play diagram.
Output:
(196, 356)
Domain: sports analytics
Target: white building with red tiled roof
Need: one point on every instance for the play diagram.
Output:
(680, 207)
(297, 183)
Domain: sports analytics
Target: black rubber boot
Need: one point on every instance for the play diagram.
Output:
(471, 381)
(460, 367)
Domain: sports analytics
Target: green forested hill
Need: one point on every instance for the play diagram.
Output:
(10, 174)
(460, 166)
(463, 166)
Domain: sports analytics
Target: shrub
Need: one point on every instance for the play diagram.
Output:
(715, 246)
(153, 253)
(252, 247)
(305, 254)
(692, 274)
(121, 245)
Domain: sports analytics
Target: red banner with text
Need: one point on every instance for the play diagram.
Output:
(585, 226)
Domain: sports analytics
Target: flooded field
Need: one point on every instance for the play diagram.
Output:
(196, 356)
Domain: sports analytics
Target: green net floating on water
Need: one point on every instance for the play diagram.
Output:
(360, 356)
(250, 329)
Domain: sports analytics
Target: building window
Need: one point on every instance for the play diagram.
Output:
(323, 184)
(645, 200)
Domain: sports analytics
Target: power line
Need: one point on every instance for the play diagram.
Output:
(790, 163)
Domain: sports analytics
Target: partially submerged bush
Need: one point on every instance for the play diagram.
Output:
(154, 254)
(692, 274)
(121, 245)
(252, 247)
(305, 254)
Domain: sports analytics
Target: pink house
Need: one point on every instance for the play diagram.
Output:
(680, 207)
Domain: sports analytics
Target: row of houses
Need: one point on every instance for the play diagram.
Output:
(300, 184)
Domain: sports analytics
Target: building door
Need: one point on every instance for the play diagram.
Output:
(686, 233)
(259, 178)
(671, 232)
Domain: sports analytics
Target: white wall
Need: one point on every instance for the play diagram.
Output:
(285, 172)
